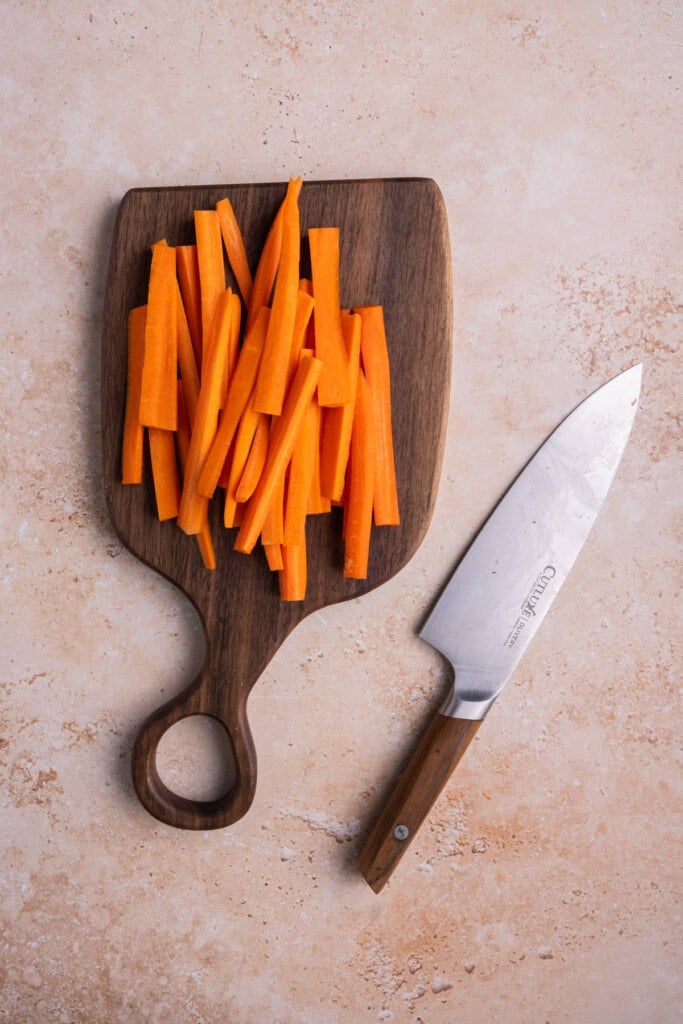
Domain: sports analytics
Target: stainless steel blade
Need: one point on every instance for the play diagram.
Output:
(502, 589)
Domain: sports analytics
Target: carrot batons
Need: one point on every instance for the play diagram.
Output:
(158, 394)
(234, 247)
(333, 388)
(271, 383)
(290, 413)
(133, 431)
(375, 359)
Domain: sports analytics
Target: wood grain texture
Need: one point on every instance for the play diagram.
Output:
(416, 792)
(395, 251)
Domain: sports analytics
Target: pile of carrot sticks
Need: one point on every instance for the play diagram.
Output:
(272, 395)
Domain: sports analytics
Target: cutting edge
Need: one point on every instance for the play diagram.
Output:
(475, 688)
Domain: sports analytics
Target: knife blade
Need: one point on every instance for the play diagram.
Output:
(495, 601)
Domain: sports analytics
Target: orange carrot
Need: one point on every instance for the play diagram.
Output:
(292, 576)
(204, 538)
(187, 360)
(329, 342)
(188, 278)
(317, 502)
(375, 357)
(271, 382)
(239, 391)
(255, 461)
(273, 553)
(158, 395)
(282, 439)
(358, 519)
(302, 318)
(337, 422)
(164, 471)
(266, 271)
(273, 527)
(193, 505)
(301, 469)
(133, 431)
(248, 426)
(211, 272)
(226, 331)
(234, 247)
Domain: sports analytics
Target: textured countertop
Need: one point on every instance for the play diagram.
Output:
(545, 886)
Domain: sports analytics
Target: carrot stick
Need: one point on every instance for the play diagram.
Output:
(255, 461)
(164, 471)
(358, 519)
(233, 342)
(375, 357)
(133, 431)
(187, 360)
(204, 539)
(282, 440)
(211, 271)
(337, 422)
(273, 553)
(193, 505)
(329, 342)
(234, 247)
(158, 395)
(271, 382)
(239, 391)
(273, 531)
(292, 576)
(248, 426)
(301, 469)
(317, 502)
(188, 278)
(302, 318)
(266, 271)
(226, 330)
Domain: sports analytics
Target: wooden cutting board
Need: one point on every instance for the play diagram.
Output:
(394, 251)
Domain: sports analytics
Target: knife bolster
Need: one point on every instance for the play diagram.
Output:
(469, 707)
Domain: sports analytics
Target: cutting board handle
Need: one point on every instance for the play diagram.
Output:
(228, 707)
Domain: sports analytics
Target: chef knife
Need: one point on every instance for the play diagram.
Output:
(495, 601)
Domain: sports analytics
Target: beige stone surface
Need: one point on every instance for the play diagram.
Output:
(545, 886)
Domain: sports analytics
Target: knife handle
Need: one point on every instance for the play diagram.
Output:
(416, 791)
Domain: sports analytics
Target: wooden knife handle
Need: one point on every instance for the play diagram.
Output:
(417, 790)
(205, 696)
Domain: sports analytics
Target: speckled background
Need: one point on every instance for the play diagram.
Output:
(545, 886)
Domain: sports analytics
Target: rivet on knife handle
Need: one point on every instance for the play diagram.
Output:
(417, 790)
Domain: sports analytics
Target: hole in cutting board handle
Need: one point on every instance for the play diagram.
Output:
(195, 759)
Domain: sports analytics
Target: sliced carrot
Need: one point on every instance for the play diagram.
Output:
(211, 271)
(333, 388)
(187, 360)
(193, 505)
(239, 392)
(300, 478)
(292, 576)
(158, 394)
(266, 271)
(164, 472)
(248, 426)
(375, 357)
(255, 461)
(273, 531)
(188, 279)
(273, 553)
(226, 330)
(204, 539)
(133, 431)
(234, 247)
(271, 383)
(358, 519)
(302, 319)
(282, 439)
(317, 502)
(337, 422)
